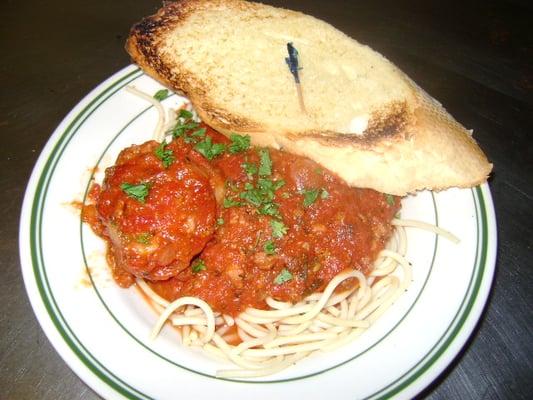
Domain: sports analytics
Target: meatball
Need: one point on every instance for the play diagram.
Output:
(157, 216)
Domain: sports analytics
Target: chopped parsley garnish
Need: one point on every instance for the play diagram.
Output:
(249, 168)
(143, 238)
(390, 199)
(252, 196)
(137, 192)
(278, 229)
(231, 203)
(220, 221)
(185, 114)
(198, 265)
(165, 155)
(271, 209)
(180, 129)
(209, 149)
(262, 196)
(268, 185)
(311, 195)
(284, 276)
(199, 133)
(195, 136)
(270, 247)
(184, 124)
(238, 143)
(161, 94)
(265, 164)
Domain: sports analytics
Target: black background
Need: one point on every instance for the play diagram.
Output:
(474, 57)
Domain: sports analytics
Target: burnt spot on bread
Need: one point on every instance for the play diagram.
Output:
(387, 123)
(146, 28)
(142, 43)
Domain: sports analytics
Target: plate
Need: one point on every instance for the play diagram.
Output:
(102, 331)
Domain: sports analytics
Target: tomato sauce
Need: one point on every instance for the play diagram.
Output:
(237, 228)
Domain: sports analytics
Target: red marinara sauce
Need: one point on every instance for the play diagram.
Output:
(237, 227)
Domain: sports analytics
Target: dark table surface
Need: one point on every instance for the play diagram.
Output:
(475, 57)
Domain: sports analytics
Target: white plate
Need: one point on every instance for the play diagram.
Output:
(101, 331)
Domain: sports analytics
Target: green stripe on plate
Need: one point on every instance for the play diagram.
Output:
(37, 258)
(462, 314)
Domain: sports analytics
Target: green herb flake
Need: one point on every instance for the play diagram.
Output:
(199, 133)
(220, 221)
(165, 155)
(252, 196)
(266, 188)
(217, 149)
(184, 124)
(195, 136)
(284, 276)
(238, 143)
(270, 247)
(137, 192)
(390, 199)
(231, 203)
(262, 196)
(265, 163)
(143, 238)
(249, 168)
(209, 149)
(198, 265)
(185, 114)
(181, 128)
(285, 195)
(268, 185)
(310, 196)
(279, 184)
(278, 229)
(161, 95)
(324, 194)
(271, 209)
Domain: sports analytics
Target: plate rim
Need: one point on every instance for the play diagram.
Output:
(413, 384)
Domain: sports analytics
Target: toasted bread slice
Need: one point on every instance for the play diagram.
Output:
(362, 117)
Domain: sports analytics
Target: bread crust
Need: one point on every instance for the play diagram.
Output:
(407, 146)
